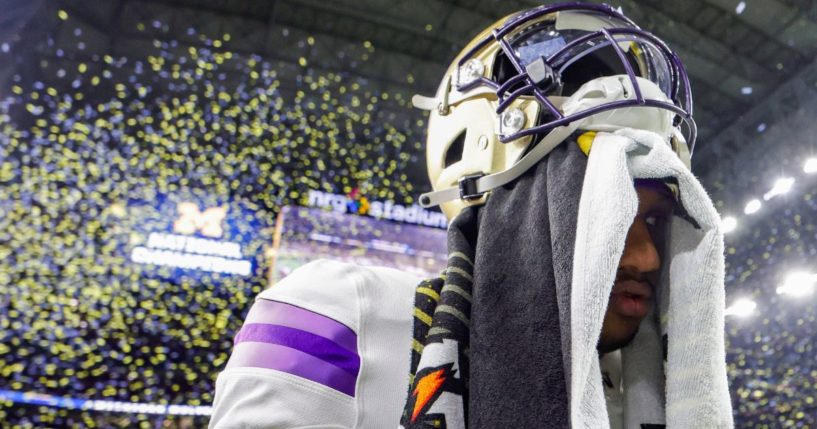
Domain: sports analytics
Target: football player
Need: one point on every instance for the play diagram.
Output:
(584, 285)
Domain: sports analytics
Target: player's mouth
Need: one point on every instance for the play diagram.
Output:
(631, 298)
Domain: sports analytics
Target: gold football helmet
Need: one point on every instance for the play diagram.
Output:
(526, 83)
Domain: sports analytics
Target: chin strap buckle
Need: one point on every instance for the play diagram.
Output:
(468, 187)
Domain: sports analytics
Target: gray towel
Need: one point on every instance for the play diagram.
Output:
(496, 353)
(520, 333)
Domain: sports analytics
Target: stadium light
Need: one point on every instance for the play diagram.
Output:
(798, 284)
(740, 7)
(752, 207)
(741, 308)
(810, 166)
(781, 186)
(728, 224)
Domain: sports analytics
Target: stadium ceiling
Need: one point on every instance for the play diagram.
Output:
(737, 53)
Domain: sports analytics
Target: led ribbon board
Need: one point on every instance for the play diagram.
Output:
(377, 209)
(42, 399)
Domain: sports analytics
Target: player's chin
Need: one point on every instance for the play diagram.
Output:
(618, 332)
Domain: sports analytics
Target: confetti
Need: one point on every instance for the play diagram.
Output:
(95, 157)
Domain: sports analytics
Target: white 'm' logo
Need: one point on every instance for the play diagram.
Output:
(191, 219)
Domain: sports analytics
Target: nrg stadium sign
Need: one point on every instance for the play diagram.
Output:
(356, 204)
(188, 252)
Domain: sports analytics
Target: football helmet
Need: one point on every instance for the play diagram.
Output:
(526, 83)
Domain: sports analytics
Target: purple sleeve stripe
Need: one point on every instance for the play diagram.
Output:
(279, 313)
(292, 361)
(307, 342)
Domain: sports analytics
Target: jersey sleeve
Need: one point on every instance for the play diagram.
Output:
(295, 361)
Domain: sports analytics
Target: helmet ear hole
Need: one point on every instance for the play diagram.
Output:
(455, 150)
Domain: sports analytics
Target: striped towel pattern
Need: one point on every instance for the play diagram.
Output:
(439, 359)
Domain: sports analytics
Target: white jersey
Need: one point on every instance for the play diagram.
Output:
(327, 347)
(613, 389)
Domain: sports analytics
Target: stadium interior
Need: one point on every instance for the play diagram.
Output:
(153, 154)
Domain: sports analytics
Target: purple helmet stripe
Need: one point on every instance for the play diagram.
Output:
(292, 361)
(282, 314)
(315, 345)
